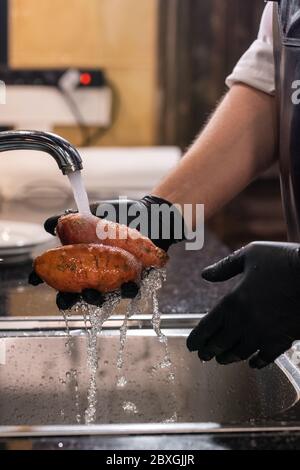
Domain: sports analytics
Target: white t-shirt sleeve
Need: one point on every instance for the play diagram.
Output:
(256, 67)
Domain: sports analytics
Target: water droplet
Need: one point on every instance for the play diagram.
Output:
(129, 407)
(122, 382)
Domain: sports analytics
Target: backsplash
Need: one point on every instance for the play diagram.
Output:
(118, 35)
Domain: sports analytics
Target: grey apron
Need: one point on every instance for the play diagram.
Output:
(287, 65)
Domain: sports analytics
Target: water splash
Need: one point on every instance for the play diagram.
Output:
(72, 377)
(151, 285)
(92, 360)
(121, 382)
(130, 407)
(96, 317)
(173, 419)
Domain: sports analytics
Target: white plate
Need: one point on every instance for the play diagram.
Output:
(19, 239)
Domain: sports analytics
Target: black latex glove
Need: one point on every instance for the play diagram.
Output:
(165, 225)
(261, 316)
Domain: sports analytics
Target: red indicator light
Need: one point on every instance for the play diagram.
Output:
(85, 79)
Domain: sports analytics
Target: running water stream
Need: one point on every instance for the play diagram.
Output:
(132, 309)
(80, 194)
(151, 285)
(95, 317)
(152, 282)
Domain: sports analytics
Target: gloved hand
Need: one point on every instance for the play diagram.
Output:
(66, 300)
(261, 316)
(166, 229)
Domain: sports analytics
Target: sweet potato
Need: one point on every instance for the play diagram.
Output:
(75, 268)
(78, 228)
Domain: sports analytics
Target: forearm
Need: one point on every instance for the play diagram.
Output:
(238, 143)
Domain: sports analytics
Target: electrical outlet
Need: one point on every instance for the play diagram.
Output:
(89, 78)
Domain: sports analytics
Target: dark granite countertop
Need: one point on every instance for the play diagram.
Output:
(185, 291)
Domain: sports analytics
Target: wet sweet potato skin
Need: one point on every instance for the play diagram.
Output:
(78, 229)
(74, 268)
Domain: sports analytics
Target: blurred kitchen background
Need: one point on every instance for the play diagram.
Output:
(130, 82)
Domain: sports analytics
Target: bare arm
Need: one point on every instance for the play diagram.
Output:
(238, 143)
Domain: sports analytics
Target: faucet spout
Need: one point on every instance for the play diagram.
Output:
(65, 155)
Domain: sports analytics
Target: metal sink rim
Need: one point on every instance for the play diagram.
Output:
(138, 430)
(46, 323)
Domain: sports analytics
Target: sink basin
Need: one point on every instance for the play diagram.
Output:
(43, 386)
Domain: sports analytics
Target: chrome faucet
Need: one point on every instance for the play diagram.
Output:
(65, 155)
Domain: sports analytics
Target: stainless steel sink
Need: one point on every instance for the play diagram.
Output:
(39, 396)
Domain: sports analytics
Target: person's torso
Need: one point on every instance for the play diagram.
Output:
(286, 31)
